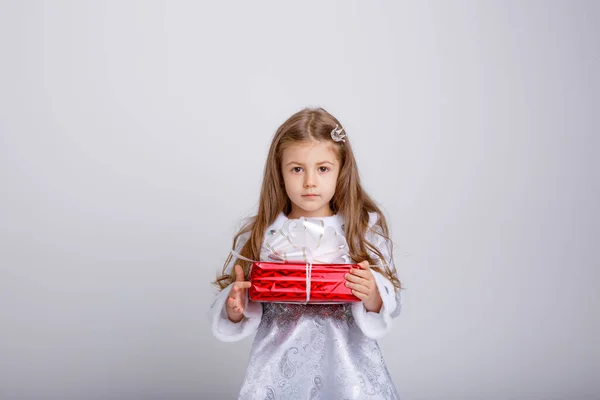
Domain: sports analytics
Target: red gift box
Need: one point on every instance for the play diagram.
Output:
(286, 283)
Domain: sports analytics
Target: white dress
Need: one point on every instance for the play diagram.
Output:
(308, 351)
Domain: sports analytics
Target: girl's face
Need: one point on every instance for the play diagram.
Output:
(310, 171)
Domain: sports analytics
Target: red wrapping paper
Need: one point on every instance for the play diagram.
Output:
(286, 283)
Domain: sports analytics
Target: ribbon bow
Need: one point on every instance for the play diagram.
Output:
(305, 240)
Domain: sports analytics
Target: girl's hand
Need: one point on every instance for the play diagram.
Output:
(237, 297)
(363, 285)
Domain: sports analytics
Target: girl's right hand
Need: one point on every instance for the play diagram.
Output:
(237, 297)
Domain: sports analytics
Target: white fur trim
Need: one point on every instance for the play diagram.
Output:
(376, 324)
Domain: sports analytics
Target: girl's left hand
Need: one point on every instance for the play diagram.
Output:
(363, 285)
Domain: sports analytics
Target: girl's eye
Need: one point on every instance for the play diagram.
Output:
(323, 169)
(297, 169)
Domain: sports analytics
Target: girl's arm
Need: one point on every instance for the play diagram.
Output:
(222, 327)
(376, 324)
(226, 330)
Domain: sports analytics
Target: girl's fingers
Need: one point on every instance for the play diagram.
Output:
(243, 285)
(359, 288)
(237, 296)
(239, 289)
(365, 265)
(234, 301)
(360, 295)
(356, 279)
(363, 273)
(236, 293)
(235, 305)
(239, 273)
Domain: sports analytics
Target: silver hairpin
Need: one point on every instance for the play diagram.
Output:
(337, 134)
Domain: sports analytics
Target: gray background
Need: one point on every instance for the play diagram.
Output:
(133, 137)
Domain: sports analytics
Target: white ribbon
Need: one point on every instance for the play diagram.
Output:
(308, 275)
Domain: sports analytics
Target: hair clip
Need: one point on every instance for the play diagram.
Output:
(337, 135)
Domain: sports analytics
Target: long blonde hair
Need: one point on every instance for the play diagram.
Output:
(349, 199)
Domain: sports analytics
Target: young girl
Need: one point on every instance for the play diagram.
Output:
(310, 351)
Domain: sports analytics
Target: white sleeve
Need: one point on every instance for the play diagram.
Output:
(222, 327)
(376, 324)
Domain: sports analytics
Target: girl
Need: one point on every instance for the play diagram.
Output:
(309, 351)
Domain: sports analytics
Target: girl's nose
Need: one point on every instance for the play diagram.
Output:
(309, 179)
